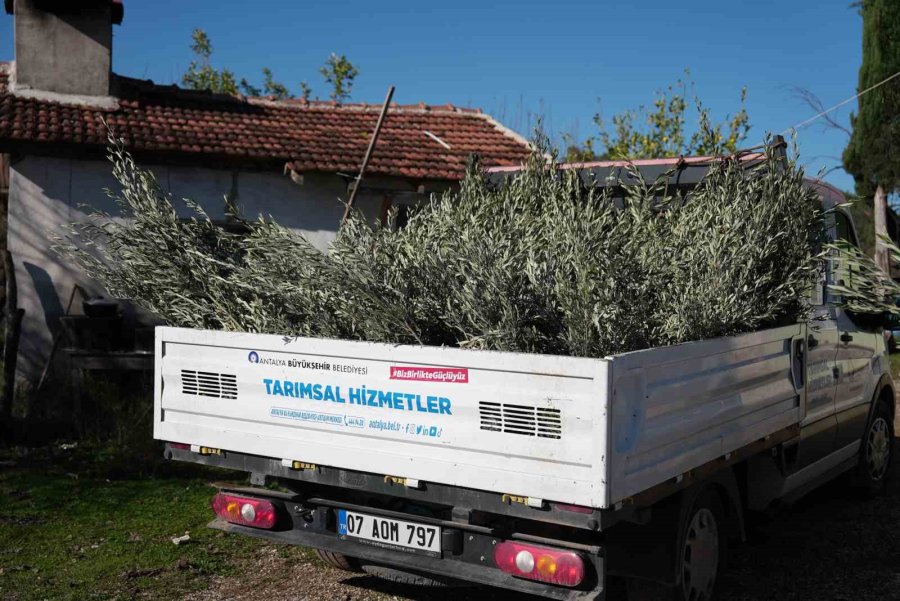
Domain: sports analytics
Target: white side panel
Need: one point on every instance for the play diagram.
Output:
(529, 425)
(676, 408)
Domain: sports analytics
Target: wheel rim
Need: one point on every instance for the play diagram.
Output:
(878, 448)
(700, 557)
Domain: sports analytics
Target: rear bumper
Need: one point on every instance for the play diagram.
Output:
(263, 468)
(467, 551)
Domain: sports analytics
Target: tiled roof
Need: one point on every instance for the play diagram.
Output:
(417, 141)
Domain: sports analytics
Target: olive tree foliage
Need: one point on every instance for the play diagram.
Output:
(541, 263)
(861, 284)
(664, 129)
(745, 248)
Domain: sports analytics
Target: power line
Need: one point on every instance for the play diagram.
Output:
(840, 104)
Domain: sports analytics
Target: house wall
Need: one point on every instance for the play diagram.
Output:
(46, 193)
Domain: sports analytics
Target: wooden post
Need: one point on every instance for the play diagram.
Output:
(880, 209)
(14, 317)
(365, 163)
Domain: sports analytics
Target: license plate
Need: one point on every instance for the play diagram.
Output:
(387, 533)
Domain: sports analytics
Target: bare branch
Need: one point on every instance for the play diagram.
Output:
(811, 100)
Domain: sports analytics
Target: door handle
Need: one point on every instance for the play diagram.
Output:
(846, 337)
(836, 372)
(797, 364)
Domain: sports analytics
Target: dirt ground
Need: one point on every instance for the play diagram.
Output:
(831, 546)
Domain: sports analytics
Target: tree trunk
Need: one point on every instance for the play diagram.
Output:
(880, 207)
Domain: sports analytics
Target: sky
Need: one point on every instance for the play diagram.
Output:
(565, 60)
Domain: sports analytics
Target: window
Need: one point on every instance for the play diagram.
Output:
(839, 271)
(844, 228)
(842, 270)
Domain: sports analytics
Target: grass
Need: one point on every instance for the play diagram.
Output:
(73, 529)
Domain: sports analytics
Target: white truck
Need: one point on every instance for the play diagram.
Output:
(542, 474)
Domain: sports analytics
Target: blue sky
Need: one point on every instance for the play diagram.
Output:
(566, 59)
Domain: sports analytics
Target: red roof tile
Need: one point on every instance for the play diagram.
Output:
(315, 136)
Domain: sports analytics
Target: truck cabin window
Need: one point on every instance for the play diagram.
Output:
(841, 271)
(844, 229)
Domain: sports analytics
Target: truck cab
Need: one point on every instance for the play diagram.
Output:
(847, 373)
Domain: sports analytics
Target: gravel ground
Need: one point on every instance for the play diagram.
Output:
(831, 546)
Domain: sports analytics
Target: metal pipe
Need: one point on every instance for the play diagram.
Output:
(368, 156)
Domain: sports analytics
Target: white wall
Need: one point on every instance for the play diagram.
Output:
(45, 193)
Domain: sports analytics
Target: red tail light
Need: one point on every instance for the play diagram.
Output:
(180, 445)
(244, 511)
(565, 568)
(572, 508)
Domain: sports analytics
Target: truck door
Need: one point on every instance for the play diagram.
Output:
(818, 428)
(819, 425)
(859, 344)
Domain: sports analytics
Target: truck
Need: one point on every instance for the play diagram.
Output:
(547, 475)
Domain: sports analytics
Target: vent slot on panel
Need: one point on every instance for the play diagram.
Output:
(520, 419)
(207, 383)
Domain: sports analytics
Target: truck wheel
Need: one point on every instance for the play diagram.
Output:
(338, 560)
(876, 452)
(702, 547)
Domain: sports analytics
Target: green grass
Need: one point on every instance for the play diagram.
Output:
(69, 534)
(895, 366)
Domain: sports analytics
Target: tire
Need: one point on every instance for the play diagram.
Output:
(412, 578)
(339, 560)
(702, 551)
(876, 451)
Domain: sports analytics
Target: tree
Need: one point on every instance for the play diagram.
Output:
(272, 87)
(576, 153)
(873, 153)
(339, 73)
(201, 75)
(661, 131)
(305, 91)
(248, 89)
